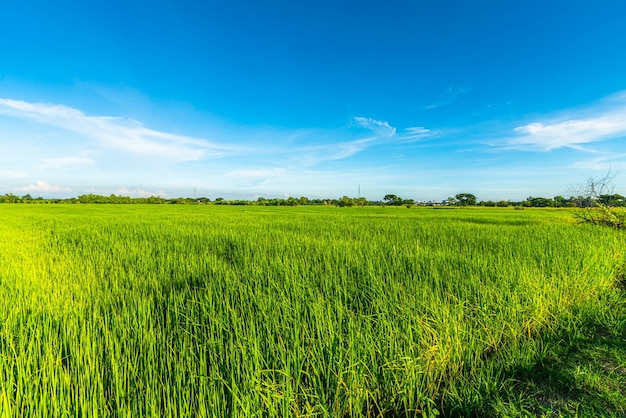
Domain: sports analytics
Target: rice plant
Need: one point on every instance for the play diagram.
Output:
(303, 311)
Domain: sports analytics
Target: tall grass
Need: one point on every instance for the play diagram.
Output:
(248, 311)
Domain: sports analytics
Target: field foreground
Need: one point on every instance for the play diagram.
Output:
(218, 311)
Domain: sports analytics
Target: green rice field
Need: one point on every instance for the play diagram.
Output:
(243, 311)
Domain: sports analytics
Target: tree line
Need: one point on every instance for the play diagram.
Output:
(461, 199)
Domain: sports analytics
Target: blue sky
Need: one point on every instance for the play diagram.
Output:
(240, 99)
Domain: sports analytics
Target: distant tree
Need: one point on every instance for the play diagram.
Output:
(156, 200)
(609, 200)
(9, 198)
(345, 201)
(559, 201)
(179, 201)
(93, 198)
(392, 199)
(466, 199)
(408, 203)
(540, 202)
(502, 204)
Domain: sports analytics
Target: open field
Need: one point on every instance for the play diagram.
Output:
(168, 310)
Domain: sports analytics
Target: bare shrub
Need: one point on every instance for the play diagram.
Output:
(594, 207)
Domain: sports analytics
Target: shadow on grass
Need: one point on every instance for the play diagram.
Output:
(587, 378)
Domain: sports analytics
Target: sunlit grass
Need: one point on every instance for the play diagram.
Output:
(252, 311)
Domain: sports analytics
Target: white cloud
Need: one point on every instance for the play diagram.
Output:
(347, 149)
(379, 127)
(571, 133)
(382, 130)
(42, 186)
(114, 132)
(66, 162)
(333, 145)
(416, 133)
(606, 120)
(312, 155)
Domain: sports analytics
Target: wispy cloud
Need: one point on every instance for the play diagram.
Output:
(449, 96)
(380, 128)
(416, 133)
(42, 186)
(114, 132)
(571, 133)
(307, 155)
(99, 153)
(383, 130)
(378, 133)
(347, 149)
(605, 121)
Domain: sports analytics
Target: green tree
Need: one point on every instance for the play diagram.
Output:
(607, 199)
(9, 198)
(393, 199)
(559, 201)
(540, 202)
(345, 201)
(465, 199)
